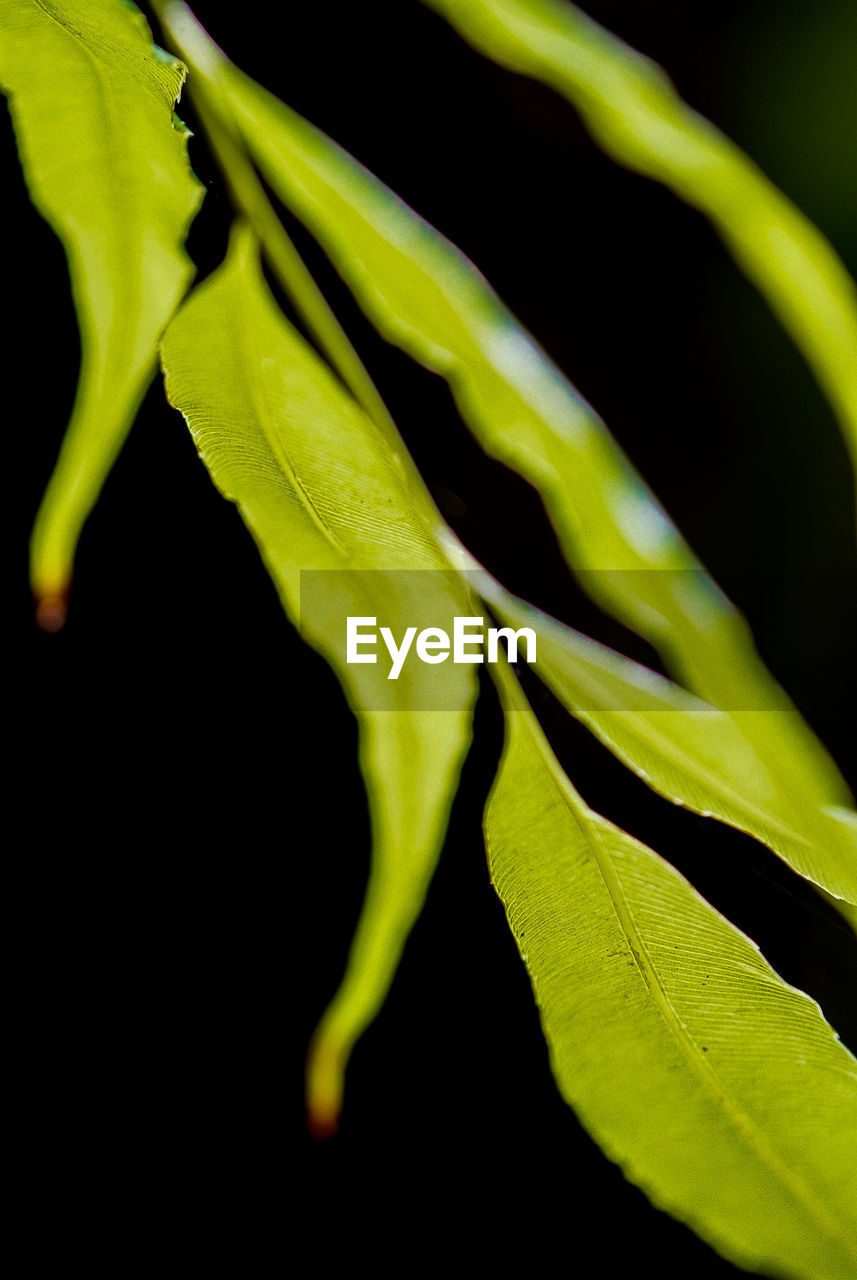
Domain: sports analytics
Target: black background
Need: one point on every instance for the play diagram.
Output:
(196, 838)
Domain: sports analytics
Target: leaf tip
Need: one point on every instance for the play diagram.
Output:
(324, 1089)
(322, 1126)
(51, 611)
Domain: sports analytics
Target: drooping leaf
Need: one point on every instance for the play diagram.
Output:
(106, 164)
(330, 508)
(425, 296)
(718, 1088)
(691, 752)
(633, 112)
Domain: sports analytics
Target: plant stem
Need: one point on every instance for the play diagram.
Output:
(252, 201)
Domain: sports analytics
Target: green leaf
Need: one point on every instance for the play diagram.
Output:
(106, 164)
(718, 1088)
(634, 113)
(425, 296)
(691, 752)
(337, 523)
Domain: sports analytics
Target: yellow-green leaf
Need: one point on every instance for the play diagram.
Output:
(718, 1088)
(333, 514)
(635, 114)
(106, 164)
(424, 295)
(691, 752)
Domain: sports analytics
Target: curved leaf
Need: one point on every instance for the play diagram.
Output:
(633, 112)
(691, 752)
(425, 296)
(330, 508)
(718, 1088)
(106, 164)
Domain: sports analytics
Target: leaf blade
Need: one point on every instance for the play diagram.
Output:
(635, 114)
(92, 103)
(718, 1088)
(423, 295)
(323, 496)
(692, 753)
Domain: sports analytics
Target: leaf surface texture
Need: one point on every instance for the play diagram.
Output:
(718, 1088)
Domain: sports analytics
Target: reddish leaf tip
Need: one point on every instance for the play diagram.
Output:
(322, 1125)
(51, 612)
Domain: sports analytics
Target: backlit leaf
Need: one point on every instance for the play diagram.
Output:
(691, 752)
(424, 295)
(335, 520)
(718, 1088)
(635, 114)
(106, 164)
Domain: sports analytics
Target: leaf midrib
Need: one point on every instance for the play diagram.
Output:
(259, 402)
(120, 238)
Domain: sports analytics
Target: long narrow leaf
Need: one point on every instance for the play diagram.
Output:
(635, 114)
(691, 752)
(718, 1088)
(422, 294)
(106, 164)
(337, 526)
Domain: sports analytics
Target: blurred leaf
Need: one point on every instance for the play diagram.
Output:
(718, 1088)
(106, 164)
(425, 296)
(337, 526)
(634, 113)
(691, 752)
